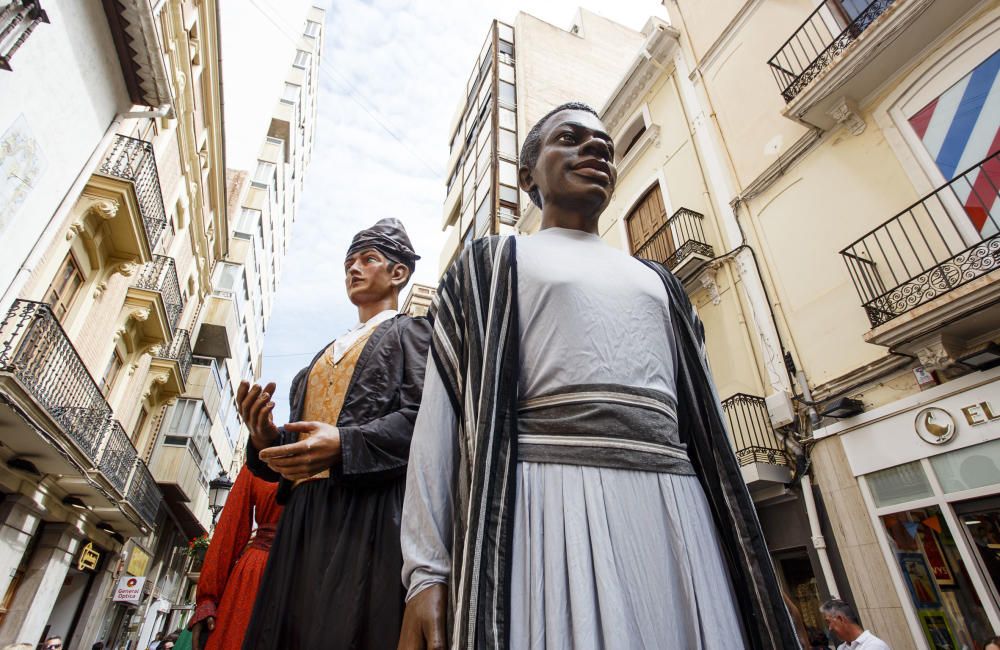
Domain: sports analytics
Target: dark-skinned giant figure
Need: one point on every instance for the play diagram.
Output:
(332, 580)
(571, 482)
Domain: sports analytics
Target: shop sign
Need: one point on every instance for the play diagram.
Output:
(935, 425)
(89, 558)
(981, 413)
(129, 590)
(138, 562)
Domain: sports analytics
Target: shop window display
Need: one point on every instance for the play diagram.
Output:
(950, 612)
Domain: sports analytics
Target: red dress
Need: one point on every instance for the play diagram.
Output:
(235, 560)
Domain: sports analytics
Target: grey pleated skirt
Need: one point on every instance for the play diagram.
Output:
(608, 558)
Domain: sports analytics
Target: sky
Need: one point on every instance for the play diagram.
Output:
(392, 75)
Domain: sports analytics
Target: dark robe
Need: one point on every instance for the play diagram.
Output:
(333, 578)
(475, 349)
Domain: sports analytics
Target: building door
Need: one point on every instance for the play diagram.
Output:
(799, 581)
(648, 234)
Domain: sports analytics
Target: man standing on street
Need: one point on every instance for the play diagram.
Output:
(572, 483)
(332, 580)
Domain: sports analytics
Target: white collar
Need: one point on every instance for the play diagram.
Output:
(344, 343)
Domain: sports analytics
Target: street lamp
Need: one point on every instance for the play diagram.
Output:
(218, 492)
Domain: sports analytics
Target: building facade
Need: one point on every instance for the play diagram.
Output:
(506, 93)
(823, 177)
(129, 307)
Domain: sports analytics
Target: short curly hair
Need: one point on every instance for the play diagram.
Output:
(533, 141)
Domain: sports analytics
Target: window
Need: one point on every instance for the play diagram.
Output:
(644, 224)
(291, 94)
(484, 217)
(508, 173)
(248, 221)
(140, 424)
(629, 144)
(507, 93)
(302, 59)
(189, 426)
(508, 119)
(64, 287)
(111, 372)
(266, 173)
(312, 28)
(508, 143)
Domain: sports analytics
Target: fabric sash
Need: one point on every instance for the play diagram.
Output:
(602, 425)
(263, 537)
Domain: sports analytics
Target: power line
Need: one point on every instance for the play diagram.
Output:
(352, 93)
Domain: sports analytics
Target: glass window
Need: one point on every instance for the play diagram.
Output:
(292, 93)
(508, 172)
(140, 424)
(508, 119)
(507, 72)
(506, 32)
(507, 93)
(508, 194)
(507, 49)
(302, 58)
(312, 28)
(64, 287)
(248, 221)
(111, 372)
(265, 173)
(972, 467)
(484, 217)
(950, 612)
(899, 484)
(484, 138)
(507, 143)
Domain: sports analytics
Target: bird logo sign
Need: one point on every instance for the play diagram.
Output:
(935, 425)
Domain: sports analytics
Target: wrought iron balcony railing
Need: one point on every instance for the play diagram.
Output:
(132, 159)
(18, 18)
(179, 350)
(682, 235)
(143, 495)
(118, 456)
(754, 440)
(943, 241)
(35, 350)
(161, 275)
(820, 40)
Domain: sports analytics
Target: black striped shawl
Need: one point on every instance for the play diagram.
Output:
(475, 347)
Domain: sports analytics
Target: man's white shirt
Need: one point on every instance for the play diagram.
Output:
(866, 641)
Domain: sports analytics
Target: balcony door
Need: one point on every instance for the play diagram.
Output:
(648, 234)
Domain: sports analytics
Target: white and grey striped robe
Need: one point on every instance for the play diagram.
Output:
(543, 545)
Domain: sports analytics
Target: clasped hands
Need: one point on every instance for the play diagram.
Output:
(295, 461)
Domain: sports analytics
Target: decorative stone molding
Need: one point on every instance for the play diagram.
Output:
(936, 352)
(708, 281)
(120, 333)
(99, 289)
(127, 269)
(845, 112)
(132, 367)
(104, 209)
(76, 228)
(140, 315)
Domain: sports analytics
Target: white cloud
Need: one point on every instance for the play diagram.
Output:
(408, 63)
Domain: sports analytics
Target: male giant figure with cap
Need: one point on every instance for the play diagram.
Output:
(332, 580)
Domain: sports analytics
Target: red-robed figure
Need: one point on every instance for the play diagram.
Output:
(234, 564)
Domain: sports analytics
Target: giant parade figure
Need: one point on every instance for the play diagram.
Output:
(571, 481)
(332, 580)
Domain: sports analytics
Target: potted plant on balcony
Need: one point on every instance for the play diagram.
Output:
(197, 547)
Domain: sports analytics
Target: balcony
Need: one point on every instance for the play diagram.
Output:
(220, 326)
(846, 49)
(18, 19)
(758, 450)
(174, 362)
(132, 160)
(679, 244)
(155, 289)
(935, 263)
(177, 472)
(53, 414)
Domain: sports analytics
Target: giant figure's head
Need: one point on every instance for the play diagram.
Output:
(568, 159)
(379, 262)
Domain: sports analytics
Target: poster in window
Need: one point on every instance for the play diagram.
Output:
(918, 581)
(937, 630)
(935, 558)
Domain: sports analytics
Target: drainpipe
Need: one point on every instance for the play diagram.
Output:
(818, 541)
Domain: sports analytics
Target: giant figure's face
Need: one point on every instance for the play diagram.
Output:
(575, 165)
(370, 276)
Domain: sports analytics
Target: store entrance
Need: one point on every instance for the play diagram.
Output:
(981, 525)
